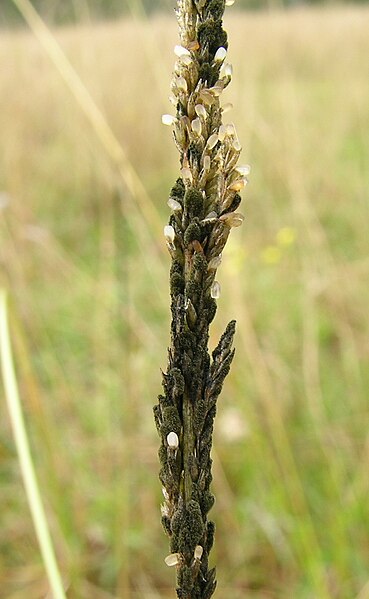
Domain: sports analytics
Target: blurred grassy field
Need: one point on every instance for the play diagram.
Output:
(82, 207)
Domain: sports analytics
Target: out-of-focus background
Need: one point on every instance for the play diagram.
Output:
(85, 171)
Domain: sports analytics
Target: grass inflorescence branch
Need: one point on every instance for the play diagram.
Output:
(203, 201)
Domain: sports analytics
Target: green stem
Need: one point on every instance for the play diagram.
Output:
(24, 455)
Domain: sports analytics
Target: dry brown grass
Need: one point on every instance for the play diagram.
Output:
(87, 273)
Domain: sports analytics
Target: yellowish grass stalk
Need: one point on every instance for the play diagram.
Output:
(24, 455)
(104, 133)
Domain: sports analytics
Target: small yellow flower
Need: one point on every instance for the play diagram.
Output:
(286, 236)
(271, 254)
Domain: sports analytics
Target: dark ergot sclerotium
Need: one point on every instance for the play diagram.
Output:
(203, 202)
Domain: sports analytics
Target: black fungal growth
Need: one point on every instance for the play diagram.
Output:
(198, 232)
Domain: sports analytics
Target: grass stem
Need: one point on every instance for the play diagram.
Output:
(24, 455)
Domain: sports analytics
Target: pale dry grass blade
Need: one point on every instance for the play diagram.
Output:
(91, 591)
(102, 129)
(226, 503)
(24, 456)
(364, 593)
(148, 591)
(318, 264)
(150, 43)
(273, 414)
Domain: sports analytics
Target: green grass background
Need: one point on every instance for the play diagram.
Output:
(83, 257)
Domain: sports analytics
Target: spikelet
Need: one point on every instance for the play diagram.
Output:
(203, 204)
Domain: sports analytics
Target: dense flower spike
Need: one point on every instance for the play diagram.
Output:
(203, 203)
